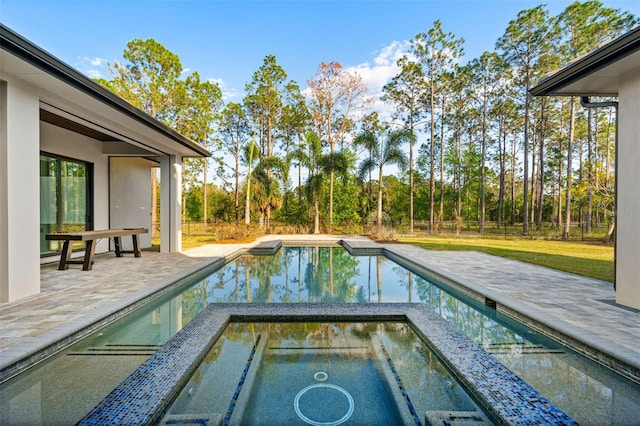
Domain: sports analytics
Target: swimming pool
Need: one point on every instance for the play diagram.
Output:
(365, 373)
(309, 275)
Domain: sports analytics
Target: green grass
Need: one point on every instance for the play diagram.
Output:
(588, 259)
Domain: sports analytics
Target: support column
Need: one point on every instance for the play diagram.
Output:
(19, 192)
(171, 204)
(628, 193)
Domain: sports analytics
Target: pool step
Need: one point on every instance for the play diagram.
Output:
(192, 419)
(455, 418)
(363, 247)
(118, 350)
(265, 248)
(520, 348)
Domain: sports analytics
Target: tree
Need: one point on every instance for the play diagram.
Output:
(487, 74)
(406, 91)
(150, 79)
(250, 156)
(205, 102)
(436, 52)
(233, 131)
(293, 127)
(316, 163)
(525, 40)
(584, 26)
(264, 101)
(335, 95)
(383, 152)
(267, 193)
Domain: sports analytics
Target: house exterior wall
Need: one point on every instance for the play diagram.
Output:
(19, 190)
(628, 192)
(130, 196)
(56, 140)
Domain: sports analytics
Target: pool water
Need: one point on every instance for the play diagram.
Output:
(310, 275)
(321, 373)
(62, 389)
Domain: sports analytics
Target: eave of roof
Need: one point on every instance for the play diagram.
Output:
(22, 48)
(588, 64)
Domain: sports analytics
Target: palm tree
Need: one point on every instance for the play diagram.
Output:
(250, 156)
(320, 167)
(383, 152)
(267, 193)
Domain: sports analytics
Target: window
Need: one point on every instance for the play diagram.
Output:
(65, 198)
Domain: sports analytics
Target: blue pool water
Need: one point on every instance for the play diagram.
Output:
(63, 388)
(322, 373)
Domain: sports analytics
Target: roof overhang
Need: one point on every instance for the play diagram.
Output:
(81, 102)
(597, 73)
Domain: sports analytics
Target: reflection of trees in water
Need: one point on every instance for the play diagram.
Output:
(405, 280)
(194, 300)
(329, 278)
(265, 269)
(464, 317)
(326, 274)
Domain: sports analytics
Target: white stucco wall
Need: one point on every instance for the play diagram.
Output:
(171, 204)
(628, 204)
(56, 140)
(19, 191)
(130, 196)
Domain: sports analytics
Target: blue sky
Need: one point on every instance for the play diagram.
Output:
(226, 41)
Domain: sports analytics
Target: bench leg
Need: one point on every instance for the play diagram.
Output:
(136, 245)
(89, 252)
(65, 256)
(118, 245)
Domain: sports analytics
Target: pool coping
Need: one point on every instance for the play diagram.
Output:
(146, 394)
(597, 348)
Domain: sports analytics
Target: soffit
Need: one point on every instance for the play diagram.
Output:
(85, 102)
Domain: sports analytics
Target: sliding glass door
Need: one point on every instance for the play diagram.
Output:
(65, 198)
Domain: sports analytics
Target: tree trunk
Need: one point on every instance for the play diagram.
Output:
(441, 211)
(502, 146)
(567, 219)
(525, 207)
(540, 193)
(247, 200)
(411, 173)
(379, 211)
(316, 216)
(236, 192)
(513, 182)
(587, 218)
(459, 180)
(432, 183)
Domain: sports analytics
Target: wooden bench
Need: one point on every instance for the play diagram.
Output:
(90, 246)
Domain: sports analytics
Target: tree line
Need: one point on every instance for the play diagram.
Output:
(468, 140)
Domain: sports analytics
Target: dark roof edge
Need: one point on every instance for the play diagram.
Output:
(29, 52)
(614, 50)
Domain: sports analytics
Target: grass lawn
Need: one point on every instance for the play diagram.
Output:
(589, 259)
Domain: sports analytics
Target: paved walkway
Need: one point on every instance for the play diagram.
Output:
(580, 307)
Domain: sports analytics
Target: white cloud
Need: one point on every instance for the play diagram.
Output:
(92, 67)
(94, 73)
(384, 66)
(376, 75)
(228, 93)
